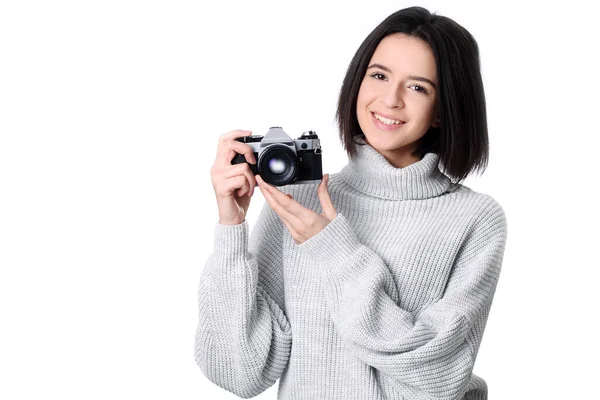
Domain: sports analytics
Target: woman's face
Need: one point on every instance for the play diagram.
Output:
(396, 102)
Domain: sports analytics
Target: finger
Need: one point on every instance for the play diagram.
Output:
(225, 174)
(290, 205)
(326, 203)
(234, 134)
(244, 189)
(240, 169)
(229, 149)
(291, 229)
(229, 186)
(276, 206)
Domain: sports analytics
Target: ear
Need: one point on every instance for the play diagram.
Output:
(436, 122)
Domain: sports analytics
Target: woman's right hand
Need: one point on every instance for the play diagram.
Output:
(233, 184)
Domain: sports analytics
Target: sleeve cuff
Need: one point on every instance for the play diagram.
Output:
(333, 244)
(231, 242)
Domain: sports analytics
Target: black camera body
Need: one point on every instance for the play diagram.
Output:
(282, 160)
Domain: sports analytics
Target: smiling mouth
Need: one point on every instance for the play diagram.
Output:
(387, 121)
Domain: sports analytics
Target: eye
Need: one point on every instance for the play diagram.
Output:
(378, 75)
(421, 89)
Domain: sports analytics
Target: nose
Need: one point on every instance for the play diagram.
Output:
(392, 98)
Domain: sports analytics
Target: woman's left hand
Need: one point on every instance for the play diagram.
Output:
(302, 222)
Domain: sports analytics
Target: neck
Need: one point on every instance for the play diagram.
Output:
(399, 158)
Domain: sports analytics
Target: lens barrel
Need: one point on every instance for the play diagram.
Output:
(278, 165)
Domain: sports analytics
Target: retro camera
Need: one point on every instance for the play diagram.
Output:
(282, 160)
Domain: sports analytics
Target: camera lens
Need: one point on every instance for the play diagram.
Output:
(278, 165)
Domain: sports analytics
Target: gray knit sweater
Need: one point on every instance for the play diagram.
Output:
(389, 301)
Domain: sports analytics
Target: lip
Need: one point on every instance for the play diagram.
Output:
(383, 127)
(388, 116)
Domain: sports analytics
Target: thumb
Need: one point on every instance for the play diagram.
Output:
(329, 211)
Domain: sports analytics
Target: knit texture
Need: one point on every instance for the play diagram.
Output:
(389, 301)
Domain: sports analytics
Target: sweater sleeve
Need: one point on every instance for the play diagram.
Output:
(243, 339)
(426, 353)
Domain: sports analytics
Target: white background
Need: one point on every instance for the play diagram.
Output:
(109, 118)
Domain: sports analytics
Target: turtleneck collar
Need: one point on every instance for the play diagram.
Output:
(371, 173)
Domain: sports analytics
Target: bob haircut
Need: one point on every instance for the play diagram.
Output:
(461, 140)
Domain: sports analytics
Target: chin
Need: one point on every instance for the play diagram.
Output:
(382, 144)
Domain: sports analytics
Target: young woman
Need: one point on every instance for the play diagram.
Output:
(376, 284)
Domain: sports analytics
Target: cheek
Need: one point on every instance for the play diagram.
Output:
(423, 107)
(361, 97)
(365, 95)
(430, 107)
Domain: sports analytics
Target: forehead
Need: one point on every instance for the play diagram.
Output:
(405, 55)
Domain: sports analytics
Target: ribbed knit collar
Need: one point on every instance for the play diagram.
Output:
(371, 173)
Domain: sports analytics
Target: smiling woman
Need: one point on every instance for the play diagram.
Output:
(376, 283)
(422, 69)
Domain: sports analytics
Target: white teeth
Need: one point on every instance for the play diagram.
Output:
(386, 121)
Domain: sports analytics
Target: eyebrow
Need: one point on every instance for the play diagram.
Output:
(416, 78)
